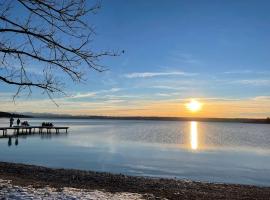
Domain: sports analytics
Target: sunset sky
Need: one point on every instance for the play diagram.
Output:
(216, 52)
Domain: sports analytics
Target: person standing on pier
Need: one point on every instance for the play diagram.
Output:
(18, 122)
(11, 120)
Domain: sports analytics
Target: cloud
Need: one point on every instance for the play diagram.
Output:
(239, 72)
(254, 82)
(115, 101)
(165, 87)
(111, 96)
(247, 72)
(94, 94)
(163, 94)
(153, 74)
(263, 98)
(6, 94)
(218, 99)
(84, 95)
(113, 90)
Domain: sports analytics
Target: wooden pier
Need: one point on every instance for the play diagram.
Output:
(27, 130)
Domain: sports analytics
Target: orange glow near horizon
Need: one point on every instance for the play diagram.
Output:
(194, 106)
(211, 107)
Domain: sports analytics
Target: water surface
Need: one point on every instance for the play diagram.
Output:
(204, 151)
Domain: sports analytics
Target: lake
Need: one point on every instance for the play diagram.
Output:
(200, 151)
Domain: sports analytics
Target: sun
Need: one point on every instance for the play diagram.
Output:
(194, 106)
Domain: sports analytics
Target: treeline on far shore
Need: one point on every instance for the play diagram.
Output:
(6, 114)
(200, 119)
(236, 120)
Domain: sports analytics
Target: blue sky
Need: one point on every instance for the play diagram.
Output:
(214, 51)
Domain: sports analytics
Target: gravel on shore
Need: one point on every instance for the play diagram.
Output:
(10, 191)
(150, 188)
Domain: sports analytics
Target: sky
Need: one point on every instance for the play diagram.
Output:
(216, 52)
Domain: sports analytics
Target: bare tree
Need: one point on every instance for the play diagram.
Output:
(40, 39)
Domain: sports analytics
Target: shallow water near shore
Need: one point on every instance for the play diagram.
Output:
(201, 151)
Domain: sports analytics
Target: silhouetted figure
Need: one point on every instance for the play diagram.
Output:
(11, 120)
(16, 141)
(9, 141)
(49, 124)
(18, 122)
(25, 123)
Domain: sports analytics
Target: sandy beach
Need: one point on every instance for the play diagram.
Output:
(20, 179)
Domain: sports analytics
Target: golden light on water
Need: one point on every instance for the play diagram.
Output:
(194, 106)
(193, 135)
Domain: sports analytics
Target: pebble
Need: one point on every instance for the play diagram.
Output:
(12, 192)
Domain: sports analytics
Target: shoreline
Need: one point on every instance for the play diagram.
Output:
(147, 118)
(153, 118)
(150, 188)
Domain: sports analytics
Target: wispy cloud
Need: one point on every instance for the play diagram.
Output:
(153, 74)
(112, 96)
(115, 101)
(168, 94)
(254, 82)
(94, 94)
(112, 90)
(165, 87)
(263, 98)
(239, 72)
(84, 95)
(218, 99)
(247, 71)
(163, 94)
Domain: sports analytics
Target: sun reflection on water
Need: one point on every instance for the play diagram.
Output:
(193, 135)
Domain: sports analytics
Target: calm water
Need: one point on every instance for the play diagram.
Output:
(215, 152)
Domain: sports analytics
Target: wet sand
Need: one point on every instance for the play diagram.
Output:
(149, 188)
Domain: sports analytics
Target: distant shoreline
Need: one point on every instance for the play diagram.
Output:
(200, 119)
(150, 188)
(232, 120)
